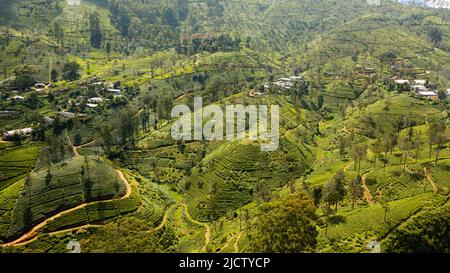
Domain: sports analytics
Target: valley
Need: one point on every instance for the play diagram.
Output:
(87, 153)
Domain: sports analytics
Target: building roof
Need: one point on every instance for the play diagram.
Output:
(401, 81)
(428, 93)
(113, 90)
(420, 82)
(19, 131)
(66, 114)
(285, 79)
(96, 99)
(92, 105)
(420, 88)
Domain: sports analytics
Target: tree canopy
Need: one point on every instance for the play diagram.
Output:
(285, 226)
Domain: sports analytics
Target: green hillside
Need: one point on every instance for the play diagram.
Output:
(363, 157)
(60, 187)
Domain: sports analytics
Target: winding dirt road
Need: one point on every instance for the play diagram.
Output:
(227, 243)
(206, 226)
(165, 218)
(367, 195)
(24, 239)
(236, 243)
(430, 179)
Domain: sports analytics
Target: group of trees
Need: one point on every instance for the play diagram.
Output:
(431, 237)
(435, 35)
(403, 135)
(147, 23)
(70, 71)
(126, 235)
(95, 30)
(24, 76)
(285, 226)
(289, 224)
(198, 43)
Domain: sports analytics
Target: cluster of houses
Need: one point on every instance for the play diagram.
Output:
(285, 83)
(38, 88)
(113, 90)
(421, 88)
(103, 91)
(18, 133)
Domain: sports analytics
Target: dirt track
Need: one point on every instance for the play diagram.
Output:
(24, 239)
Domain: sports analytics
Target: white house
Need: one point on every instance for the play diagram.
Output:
(284, 85)
(401, 81)
(420, 82)
(96, 100)
(428, 94)
(48, 121)
(420, 88)
(67, 115)
(17, 98)
(19, 132)
(92, 105)
(116, 92)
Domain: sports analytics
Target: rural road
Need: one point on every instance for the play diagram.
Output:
(165, 218)
(367, 193)
(33, 232)
(206, 226)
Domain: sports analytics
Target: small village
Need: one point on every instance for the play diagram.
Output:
(420, 89)
(99, 94)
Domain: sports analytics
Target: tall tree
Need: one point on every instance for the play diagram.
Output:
(170, 16)
(437, 134)
(356, 190)
(70, 71)
(417, 143)
(435, 35)
(317, 194)
(358, 153)
(95, 29)
(54, 75)
(384, 202)
(335, 190)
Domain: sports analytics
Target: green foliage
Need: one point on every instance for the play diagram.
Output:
(16, 162)
(24, 76)
(435, 35)
(42, 198)
(372, 218)
(70, 71)
(128, 235)
(426, 232)
(95, 28)
(285, 226)
(335, 190)
(346, 114)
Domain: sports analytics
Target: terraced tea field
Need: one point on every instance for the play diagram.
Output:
(16, 162)
(397, 183)
(441, 175)
(233, 170)
(372, 218)
(71, 183)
